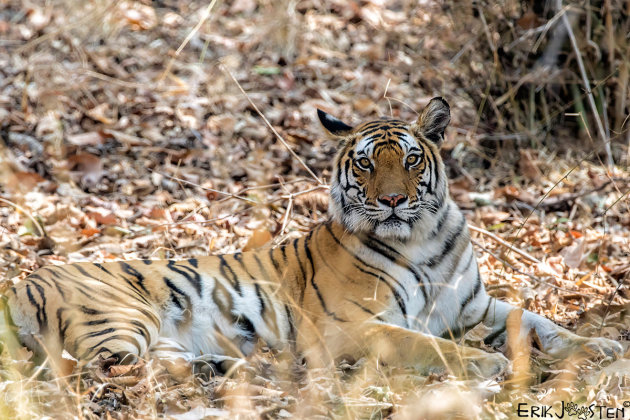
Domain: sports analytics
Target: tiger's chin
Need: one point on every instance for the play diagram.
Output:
(389, 227)
(393, 229)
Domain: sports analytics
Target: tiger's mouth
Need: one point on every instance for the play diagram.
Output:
(393, 226)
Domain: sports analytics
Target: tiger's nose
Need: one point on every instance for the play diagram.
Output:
(392, 200)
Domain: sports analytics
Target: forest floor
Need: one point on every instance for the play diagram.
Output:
(130, 130)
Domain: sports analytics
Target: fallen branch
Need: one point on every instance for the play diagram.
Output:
(504, 243)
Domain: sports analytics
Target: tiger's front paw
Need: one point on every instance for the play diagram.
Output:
(603, 348)
(489, 366)
(482, 364)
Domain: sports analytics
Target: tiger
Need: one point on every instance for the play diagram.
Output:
(391, 275)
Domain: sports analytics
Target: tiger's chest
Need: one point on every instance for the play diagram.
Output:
(428, 284)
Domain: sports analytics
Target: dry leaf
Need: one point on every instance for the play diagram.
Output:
(84, 162)
(493, 217)
(259, 238)
(528, 166)
(91, 138)
(99, 113)
(574, 255)
(103, 219)
(89, 232)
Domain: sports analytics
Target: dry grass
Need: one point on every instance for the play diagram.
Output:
(123, 136)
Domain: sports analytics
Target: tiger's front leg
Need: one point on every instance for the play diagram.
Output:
(399, 346)
(552, 339)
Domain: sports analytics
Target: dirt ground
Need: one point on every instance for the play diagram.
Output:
(139, 129)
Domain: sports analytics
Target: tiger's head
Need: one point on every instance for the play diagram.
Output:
(388, 177)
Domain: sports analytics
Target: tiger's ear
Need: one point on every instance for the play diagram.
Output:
(334, 126)
(433, 120)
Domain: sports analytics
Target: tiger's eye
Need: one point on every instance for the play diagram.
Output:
(364, 163)
(412, 159)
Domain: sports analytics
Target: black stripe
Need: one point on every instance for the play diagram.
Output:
(223, 268)
(193, 278)
(246, 326)
(448, 245)
(42, 294)
(96, 322)
(302, 271)
(322, 302)
(113, 337)
(40, 279)
(33, 302)
(176, 290)
(256, 285)
(193, 262)
(239, 257)
(260, 299)
(266, 277)
(292, 333)
(367, 310)
(133, 272)
(441, 220)
(434, 169)
(61, 326)
(104, 269)
(490, 339)
(135, 293)
(468, 262)
(485, 313)
(142, 330)
(82, 271)
(60, 290)
(276, 266)
(90, 311)
(398, 259)
(369, 131)
(97, 333)
(399, 299)
(474, 292)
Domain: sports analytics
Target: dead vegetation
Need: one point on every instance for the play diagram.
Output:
(125, 134)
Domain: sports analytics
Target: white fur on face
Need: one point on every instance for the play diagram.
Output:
(348, 204)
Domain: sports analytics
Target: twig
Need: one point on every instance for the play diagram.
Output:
(504, 243)
(391, 111)
(291, 196)
(185, 181)
(531, 276)
(21, 209)
(389, 99)
(238, 196)
(204, 17)
(612, 297)
(287, 214)
(556, 201)
(591, 100)
(278, 136)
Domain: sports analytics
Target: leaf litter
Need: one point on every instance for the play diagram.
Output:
(115, 144)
